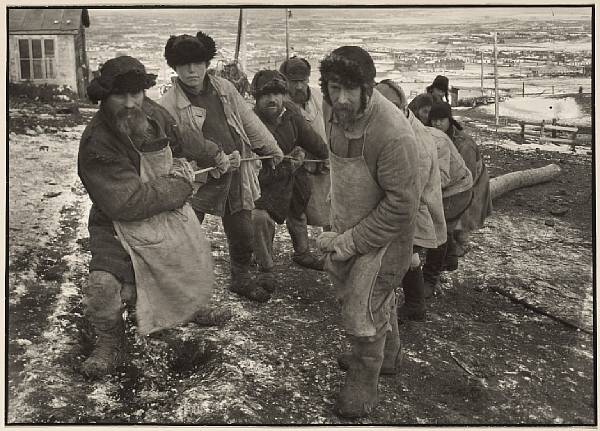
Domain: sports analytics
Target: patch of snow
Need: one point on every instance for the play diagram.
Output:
(566, 110)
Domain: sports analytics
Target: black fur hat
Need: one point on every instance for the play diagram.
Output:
(351, 66)
(443, 110)
(268, 81)
(186, 49)
(295, 68)
(120, 75)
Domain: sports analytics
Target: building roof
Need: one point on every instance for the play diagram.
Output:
(46, 20)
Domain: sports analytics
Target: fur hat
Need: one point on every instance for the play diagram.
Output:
(441, 83)
(352, 67)
(120, 75)
(185, 49)
(268, 81)
(295, 68)
(443, 110)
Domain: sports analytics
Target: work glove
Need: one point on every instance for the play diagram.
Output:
(325, 241)
(221, 164)
(415, 261)
(296, 158)
(183, 169)
(234, 160)
(343, 246)
(323, 167)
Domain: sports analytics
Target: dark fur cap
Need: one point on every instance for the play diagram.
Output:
(185, 49)
(351, 66)
(295, 68)
(120, 75)
(268, 81)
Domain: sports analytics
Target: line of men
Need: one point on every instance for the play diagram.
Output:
(393, 186)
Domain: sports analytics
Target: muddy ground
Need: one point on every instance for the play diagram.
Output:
(509, 341)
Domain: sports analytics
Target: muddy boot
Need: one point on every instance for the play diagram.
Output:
(268, 281)
(358, 396)
(432, 270)
(414, 297)
(109, 351)
(212, 316)
(309, 260)
(245, 285)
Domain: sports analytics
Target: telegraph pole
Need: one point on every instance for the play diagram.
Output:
(240, 44)
(496, 77)
(287, 39)
(481, 73)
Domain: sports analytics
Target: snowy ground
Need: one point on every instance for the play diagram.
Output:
(275, 363)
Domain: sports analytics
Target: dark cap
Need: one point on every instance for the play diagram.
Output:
(120, 75)
(185, 49)
(268, 81)
(295, 69)
(420, 101)
(352, 65)
(442, 110)
(440, 82)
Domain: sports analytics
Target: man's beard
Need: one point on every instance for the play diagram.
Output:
(344, 114)
(132, 122)
(299, 96)
(270, 115)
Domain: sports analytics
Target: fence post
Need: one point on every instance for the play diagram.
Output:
(522, 132)
(554, 131)
(542, 131)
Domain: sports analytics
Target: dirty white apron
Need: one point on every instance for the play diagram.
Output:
(354, 194)
(171, 257)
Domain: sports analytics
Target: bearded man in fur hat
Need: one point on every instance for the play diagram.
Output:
(285, 188)
(374, 200)
(134, 168)
(212, 116)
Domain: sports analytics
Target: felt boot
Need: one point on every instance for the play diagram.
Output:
(212, 316)
(392, 350)
(432, 271)
(358, 397)
(451, 259)
(245, 285)
(109, 350)
(414, 297)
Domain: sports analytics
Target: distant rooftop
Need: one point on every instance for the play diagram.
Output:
(46, 20)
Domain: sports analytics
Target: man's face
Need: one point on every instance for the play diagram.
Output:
(345, 102)
(126, 108)
(436, 92)
(298, 89)
(270, 105)
(192, 74)
(441, 123)
(423, 114)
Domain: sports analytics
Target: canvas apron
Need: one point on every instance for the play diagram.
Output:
(354, 194)
(171, 257)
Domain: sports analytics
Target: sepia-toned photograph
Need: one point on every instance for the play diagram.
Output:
(327, 215)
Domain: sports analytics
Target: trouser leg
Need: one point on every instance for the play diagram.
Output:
(264, 234)
(414, 296)
(434, 262)
(298, 230)
(240, 237)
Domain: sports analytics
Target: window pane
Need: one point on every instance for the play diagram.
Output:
(50, 68)
(25, 74)
(48, 48)
(23, 48)
(37, 69)
(36, 47)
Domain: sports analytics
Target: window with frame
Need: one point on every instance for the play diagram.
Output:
(37, 59)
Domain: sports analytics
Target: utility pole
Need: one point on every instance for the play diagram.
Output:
(481, 73)
(287, 39)
(496, 77)
(240, 43)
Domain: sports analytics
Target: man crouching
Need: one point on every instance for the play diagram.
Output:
(147, 245)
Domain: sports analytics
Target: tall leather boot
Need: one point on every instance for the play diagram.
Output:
(414, 296)
(432, 269)
(109, 351)
(358, 396)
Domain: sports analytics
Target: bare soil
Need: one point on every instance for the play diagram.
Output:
(484, 356)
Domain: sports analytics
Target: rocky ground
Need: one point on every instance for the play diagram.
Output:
(508, 342)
